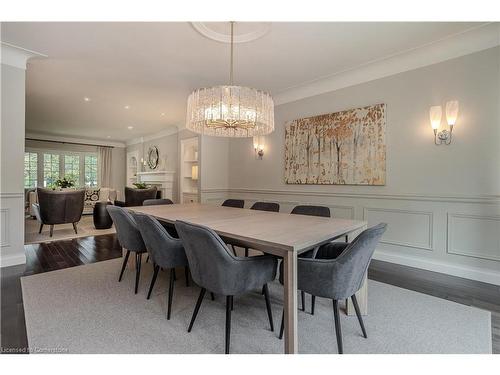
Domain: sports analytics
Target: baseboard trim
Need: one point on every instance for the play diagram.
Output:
(448, 269)
(12, 260)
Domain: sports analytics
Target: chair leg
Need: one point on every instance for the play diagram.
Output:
(197, 308)
(138, 260)
(268, 306)
(303, 297)
(246, 251)
(186, 273)
(153, 280)
(147, 259)
(41, 227)
(232, 304)
(212, 296)
(282, 328)
(175, 275)
(229, 302)
(338, 331)
(358, 313)
(51, 230)
(234, 250)
(313, 303)
(74, 227)
(170, 293)
(124, 265)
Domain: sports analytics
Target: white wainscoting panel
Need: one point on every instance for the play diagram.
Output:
(474, 236)
(405, 227)
(4, 227)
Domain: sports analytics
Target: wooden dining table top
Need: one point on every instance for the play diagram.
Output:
(272, 231)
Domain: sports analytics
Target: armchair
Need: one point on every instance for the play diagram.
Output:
(136, 197)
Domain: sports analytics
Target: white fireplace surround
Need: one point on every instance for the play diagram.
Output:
(163, 180)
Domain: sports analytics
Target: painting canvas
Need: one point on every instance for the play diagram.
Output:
(341, 148)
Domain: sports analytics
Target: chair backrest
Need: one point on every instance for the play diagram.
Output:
(236, 203)
(156, 202)
(127, 230)
(311, 210)
(165, 251)
(353, 263)
(135, 197)
(266, 206)
(210, 260)
(60, 207)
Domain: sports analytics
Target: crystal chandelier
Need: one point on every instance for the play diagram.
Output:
(229, 110)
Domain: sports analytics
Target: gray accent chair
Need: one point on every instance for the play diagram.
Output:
(214, 268)
(263, 206)
(59, 207)
(129, 237)
(156, 202)
(338, 272)
(136, 197)
(310, 210)
(165, 251)
(235, 203)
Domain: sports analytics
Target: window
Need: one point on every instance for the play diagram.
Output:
(72, 168)
(90, 170)
(50, 169)
(30, 169)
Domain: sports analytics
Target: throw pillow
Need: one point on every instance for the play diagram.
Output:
(92, 194)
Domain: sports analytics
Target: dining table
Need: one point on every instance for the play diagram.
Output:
(277, 233)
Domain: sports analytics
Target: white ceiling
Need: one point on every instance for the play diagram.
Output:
(152, 67)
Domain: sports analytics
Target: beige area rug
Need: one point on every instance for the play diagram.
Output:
(86, 310)
(61, 232)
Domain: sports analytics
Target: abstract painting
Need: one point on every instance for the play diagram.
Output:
(340, 148)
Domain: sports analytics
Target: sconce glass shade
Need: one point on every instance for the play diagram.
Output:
(435, 114)
(194, 172)
(452, 112)
(259, 142)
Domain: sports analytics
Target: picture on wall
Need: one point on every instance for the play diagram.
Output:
(340, 148)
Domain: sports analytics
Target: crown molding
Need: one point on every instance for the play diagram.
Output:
(470, 41)
(57, 138)
(17, 56)
(164, 133)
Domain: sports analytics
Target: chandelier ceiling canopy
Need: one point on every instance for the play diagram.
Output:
(230, 110)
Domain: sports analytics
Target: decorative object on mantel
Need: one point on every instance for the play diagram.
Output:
(259, 142)
(340, 148)
(229, 110)
(153, 157)
(140, 185)
(435, 114)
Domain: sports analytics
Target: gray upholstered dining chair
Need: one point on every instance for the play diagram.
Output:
(129, 238)
(156, 202)
(310, 210)
(236, 203)
(338, 272)
(214, 268)
(165, 252)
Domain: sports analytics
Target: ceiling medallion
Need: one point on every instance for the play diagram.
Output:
(230, 110)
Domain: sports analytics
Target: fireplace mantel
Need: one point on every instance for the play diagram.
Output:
(164, 180)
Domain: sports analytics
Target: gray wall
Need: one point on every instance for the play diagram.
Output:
(441, 202)
(12, 166)
(168, 147)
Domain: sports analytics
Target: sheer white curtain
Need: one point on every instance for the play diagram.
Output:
(104, 160)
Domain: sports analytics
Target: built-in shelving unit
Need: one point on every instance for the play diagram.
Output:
(189, 170)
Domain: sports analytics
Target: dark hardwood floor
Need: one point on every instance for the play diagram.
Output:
(69, 253)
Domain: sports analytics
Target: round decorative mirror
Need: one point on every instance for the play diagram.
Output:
(153, 157)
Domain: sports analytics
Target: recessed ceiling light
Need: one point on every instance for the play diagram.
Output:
(108, 136)
(87, 99)
(127, 107)
(130, 127)
(163, 113)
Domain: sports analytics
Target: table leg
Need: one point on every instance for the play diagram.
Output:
(362, 294)
(290, 302)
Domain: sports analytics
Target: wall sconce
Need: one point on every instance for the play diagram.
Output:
(194, 172)
(435, 114)
(259, 142)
